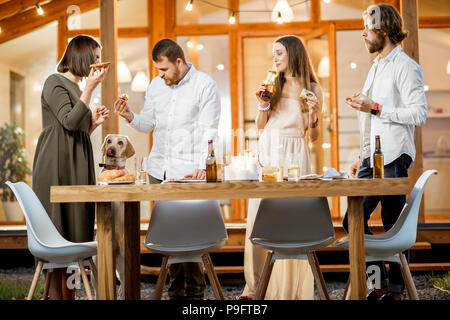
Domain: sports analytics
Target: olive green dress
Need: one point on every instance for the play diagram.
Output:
(64, 156)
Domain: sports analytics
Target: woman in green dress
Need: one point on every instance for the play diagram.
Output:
(64, 151)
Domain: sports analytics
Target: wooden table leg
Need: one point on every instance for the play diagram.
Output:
(106, 258)
(132, 239)
(356, 248)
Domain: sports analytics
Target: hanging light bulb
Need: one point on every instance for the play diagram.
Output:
(140, 82)
(279, 18)
(39, 9)
(232, 19)
(189, 5)
(200, 47)
(283, 9)
(189, 44)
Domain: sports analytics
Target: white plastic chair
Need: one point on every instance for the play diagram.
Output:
(186, 231)
(292, 229)
(389, 246)
(47, 244)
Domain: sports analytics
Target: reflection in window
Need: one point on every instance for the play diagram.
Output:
(433, 8)
(253, 10)
(343, 9)
(137, 9)
(133, 78)
(202, 12)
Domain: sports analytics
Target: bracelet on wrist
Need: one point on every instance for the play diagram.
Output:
(263, 109)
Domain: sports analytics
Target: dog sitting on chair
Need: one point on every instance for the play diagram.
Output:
(116, 149)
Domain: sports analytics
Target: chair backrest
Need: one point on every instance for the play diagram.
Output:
(293, 220)
(405, 228)
(186, 222)
(41, 230)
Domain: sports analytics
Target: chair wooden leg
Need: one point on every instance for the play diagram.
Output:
(85, 280)
(93, 269)
(347, 290)
(35, 280)
(47, 283)
(320, 282)
(407, 277)
(265, 277)
(157, 295)
(213, 277)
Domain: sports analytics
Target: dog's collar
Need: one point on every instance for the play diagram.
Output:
(110, 167)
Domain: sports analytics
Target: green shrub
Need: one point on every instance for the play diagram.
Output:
(18, 290)
(441, 282)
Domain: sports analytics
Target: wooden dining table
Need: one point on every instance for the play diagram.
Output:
(131, 195)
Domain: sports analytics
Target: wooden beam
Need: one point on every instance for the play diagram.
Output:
(434, 22)
(131, 32)
(108, 39)
(409, 13)
(62, 37)
(11, 8)
(28, 21)
(315, 12)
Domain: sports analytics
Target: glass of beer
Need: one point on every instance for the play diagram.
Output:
(293, 164)
(270, 84)
(271, 174)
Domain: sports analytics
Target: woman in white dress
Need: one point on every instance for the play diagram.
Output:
(284, 127)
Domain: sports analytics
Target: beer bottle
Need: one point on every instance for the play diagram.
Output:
(211, 166)
(378, 160)
(270, 85)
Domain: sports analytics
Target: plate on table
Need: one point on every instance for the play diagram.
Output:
(183, 181)
(114, 182)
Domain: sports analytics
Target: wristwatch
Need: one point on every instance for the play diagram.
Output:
(374, 109)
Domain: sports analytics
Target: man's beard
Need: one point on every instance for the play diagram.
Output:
(376, 45)
(174, 80)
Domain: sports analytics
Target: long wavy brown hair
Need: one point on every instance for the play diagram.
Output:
(298, 63)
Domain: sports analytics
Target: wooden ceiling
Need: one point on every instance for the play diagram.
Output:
(18, 17)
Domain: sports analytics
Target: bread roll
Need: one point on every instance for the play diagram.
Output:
(110, 175)
(128, 177)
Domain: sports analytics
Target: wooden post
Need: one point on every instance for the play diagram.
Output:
(108, 39)
(409, 11)
(132, 251)
(62, 36)
(356, 248)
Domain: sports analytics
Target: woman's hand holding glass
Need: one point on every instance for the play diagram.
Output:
(263, 101)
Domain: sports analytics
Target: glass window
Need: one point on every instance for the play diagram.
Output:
(130, 13)
(202, 12)
(431, 8)
(434, 58)
(266, 11)
(343, 9)
(34, 62)
(353, 65)
(133, 77)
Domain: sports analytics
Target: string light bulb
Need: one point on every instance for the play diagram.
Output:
(189, 5)
(39, 9)
(232, 19)
(279, 18)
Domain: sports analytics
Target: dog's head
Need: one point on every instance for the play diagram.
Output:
(116, 149)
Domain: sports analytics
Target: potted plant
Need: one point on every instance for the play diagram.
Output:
(13, 167)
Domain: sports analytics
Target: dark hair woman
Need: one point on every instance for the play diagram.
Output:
(64, 151)
(284, 120)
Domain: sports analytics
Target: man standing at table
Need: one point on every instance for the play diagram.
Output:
(391, 104)
(182, 108)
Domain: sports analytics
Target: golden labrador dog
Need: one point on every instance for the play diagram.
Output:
(116, 149)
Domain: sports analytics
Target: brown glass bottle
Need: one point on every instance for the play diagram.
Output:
(270, 85)
(211, 165)
(378, 160)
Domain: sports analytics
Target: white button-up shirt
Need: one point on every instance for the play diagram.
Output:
(183, 118)
(398, 86)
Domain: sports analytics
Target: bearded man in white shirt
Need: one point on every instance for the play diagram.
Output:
(391, 104)
(182, 108)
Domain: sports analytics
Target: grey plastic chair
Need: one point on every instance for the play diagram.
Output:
(186, 231)
(46, 243)
(389, 246)
(292, 229)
